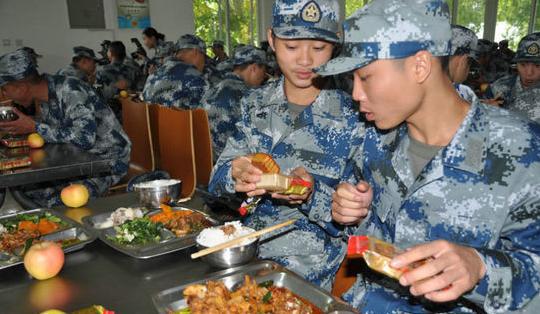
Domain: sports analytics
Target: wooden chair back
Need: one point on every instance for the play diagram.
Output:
(203, 146)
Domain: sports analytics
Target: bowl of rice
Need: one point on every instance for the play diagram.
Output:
(234, 256)
(157, 192)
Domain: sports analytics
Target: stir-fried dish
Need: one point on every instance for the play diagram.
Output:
(16, 231)
(181, 222)
(215, 297)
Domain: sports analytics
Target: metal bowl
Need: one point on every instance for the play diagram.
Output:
(231, 257)
(7, 114)
(152, 197)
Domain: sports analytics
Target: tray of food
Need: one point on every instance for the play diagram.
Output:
(145, 234)
(7, 163)
(18, 231)
(261, 287)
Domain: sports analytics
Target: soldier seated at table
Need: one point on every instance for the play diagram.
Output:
(455, 184)
(223, 101)
(82, 66)
(464, 47)
(520, 92)
(116, 76)
(179, 82)
(70, 112)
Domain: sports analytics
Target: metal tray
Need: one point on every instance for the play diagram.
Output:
(173, 299)
(71, 231)
(147, 250)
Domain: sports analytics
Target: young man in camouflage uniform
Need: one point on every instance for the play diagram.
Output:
(521, 92)
(308, 129)
(455, 184)
(179, 82)
(464, 50)
(70, 112)
(223, 101)
(83, 65)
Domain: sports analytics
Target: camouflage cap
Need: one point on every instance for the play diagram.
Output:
(15, 66)
(31, 52)
(189, 41)
(166, 49)
(529, 49)
(225, 66)
(392, 29)
(249, 54)
(464, 41)
(81, 51)
(306, 19)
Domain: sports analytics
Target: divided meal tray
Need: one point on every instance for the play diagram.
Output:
(172, 299)
(72, 230)
(147, 250)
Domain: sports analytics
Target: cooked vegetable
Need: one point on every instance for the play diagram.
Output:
(137, 231)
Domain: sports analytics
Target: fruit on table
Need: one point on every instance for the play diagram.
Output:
(44, 260)
(78, 214)
(35, 140)
(53, 311)
(74, 195)
(124, 94)
(53, 293)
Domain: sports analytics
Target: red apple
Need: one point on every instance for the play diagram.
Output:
(75, 195)
(44, 260)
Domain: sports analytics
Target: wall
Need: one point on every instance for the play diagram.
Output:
(44, 26)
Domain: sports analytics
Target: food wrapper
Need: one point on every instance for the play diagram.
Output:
(19, 141)
(15, 162)
(265, 163)
(94, 309)
(377, 254)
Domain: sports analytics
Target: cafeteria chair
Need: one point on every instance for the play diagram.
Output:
(176, 146)
(203, 146)
(346, 276)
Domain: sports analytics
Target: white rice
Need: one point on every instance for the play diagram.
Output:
(214, 235)
(156, 183)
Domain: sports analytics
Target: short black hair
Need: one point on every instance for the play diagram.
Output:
(118, 50)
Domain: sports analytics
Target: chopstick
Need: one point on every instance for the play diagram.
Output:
(239, 240)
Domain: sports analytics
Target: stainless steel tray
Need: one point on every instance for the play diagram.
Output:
(72, 230)
(147, 250)
(173, 299)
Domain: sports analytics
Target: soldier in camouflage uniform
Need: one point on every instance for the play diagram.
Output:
(71, 112)
(308, 129)
(83, 65)
(164, 52)
(454, 183)
(521, 92)
(177, 83)
(464, 50)
(223, 101)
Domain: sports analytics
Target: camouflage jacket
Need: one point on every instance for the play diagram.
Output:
(223, 106)
(320, 139)
(110, 74)
(524, 101)
(75, 114)
(175, 84)
(72, 70)
(482, 191)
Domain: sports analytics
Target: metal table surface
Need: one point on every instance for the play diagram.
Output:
(97, 274)
(54, 162)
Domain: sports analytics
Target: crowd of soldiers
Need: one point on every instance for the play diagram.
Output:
(418, 133)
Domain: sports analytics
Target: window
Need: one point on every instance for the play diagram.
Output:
(512, 21)
(232, 21)
(471, 15)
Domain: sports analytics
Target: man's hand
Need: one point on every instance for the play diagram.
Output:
(350, 203)
(23, 125)
(450, 270)
(246, 176)
(292, 199)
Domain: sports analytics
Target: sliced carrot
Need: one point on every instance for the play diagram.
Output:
(28, 225)
(46, 226)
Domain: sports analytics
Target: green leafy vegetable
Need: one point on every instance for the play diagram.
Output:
(266, 284)
(266, 298)
(137, 231)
